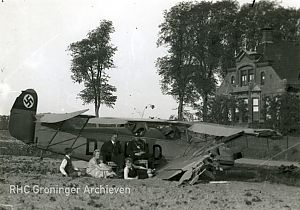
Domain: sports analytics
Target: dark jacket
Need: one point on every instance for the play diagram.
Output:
(69, 169)
(132, 172)
(135, 147)
(110, 151)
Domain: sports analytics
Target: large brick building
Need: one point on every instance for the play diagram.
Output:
(272, 69)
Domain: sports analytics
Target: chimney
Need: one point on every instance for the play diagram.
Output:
(267, 35)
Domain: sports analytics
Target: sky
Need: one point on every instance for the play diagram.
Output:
(35, 35)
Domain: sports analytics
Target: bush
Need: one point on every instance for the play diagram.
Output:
(4, 122)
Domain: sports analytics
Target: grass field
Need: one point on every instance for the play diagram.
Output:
(12, 146)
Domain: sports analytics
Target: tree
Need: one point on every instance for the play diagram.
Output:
(175, 68)
(203, 38)
(90, 58)
(222, 110)
(107, 98)
(4, 122)
(198, 37)
(284, 22)
(211, 30)
(282, 112)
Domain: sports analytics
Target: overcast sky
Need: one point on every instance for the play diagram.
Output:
(35, 34)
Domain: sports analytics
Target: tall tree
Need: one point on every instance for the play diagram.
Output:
(198, 36)
(211, 35)
(175, 68)
(106, 92)
(284, 21)
(90, 58)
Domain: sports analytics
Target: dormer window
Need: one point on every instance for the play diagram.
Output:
(251, 76)
(262, 78)
(232, 80)
(244, 78)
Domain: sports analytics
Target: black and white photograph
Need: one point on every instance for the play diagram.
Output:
(139, 104)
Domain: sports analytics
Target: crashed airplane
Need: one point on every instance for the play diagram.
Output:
(176, 148)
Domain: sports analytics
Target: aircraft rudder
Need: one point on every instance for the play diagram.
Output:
(22, 116)
(27, 100)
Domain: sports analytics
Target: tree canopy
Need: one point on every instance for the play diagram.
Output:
(175, 68)
(90, 58)
(203, 38)
(197, 36)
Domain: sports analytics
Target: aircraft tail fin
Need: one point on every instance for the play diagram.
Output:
(22, 116)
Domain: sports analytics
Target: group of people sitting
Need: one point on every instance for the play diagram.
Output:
(111, 161)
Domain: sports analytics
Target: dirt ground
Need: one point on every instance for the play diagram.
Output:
(26, 183)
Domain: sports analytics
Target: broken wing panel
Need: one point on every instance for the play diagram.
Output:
(168, 174)
(262, 132)
(178, 166)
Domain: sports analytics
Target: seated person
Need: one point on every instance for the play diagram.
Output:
(112, 151)
(66, 166)
(100, 170)
(131, 171)
(137, 148)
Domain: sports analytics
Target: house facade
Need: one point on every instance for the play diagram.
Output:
(272, 69)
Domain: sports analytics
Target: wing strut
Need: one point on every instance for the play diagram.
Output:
(80, 132)
(62, 141)
(53, 137)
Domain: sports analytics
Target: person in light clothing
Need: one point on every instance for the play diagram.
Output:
(97, 168)
(66, 167)
(131, 171)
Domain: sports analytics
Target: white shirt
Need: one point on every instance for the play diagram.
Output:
(63, 165)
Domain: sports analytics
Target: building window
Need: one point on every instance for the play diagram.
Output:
(246, 113)
(262, 78)
(255, 105)
(232, 80)
(251, 76)
(244, 78)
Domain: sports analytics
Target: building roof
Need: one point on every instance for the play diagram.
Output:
(284, 57)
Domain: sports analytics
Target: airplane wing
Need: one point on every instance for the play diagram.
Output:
(55, 118)
(189, 168)
(117, 121)
(214, 129)
(228, 131)
(178, 166)
(262, 132)
(108, 121)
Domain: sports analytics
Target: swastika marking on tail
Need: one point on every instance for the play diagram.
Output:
(28, 101)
